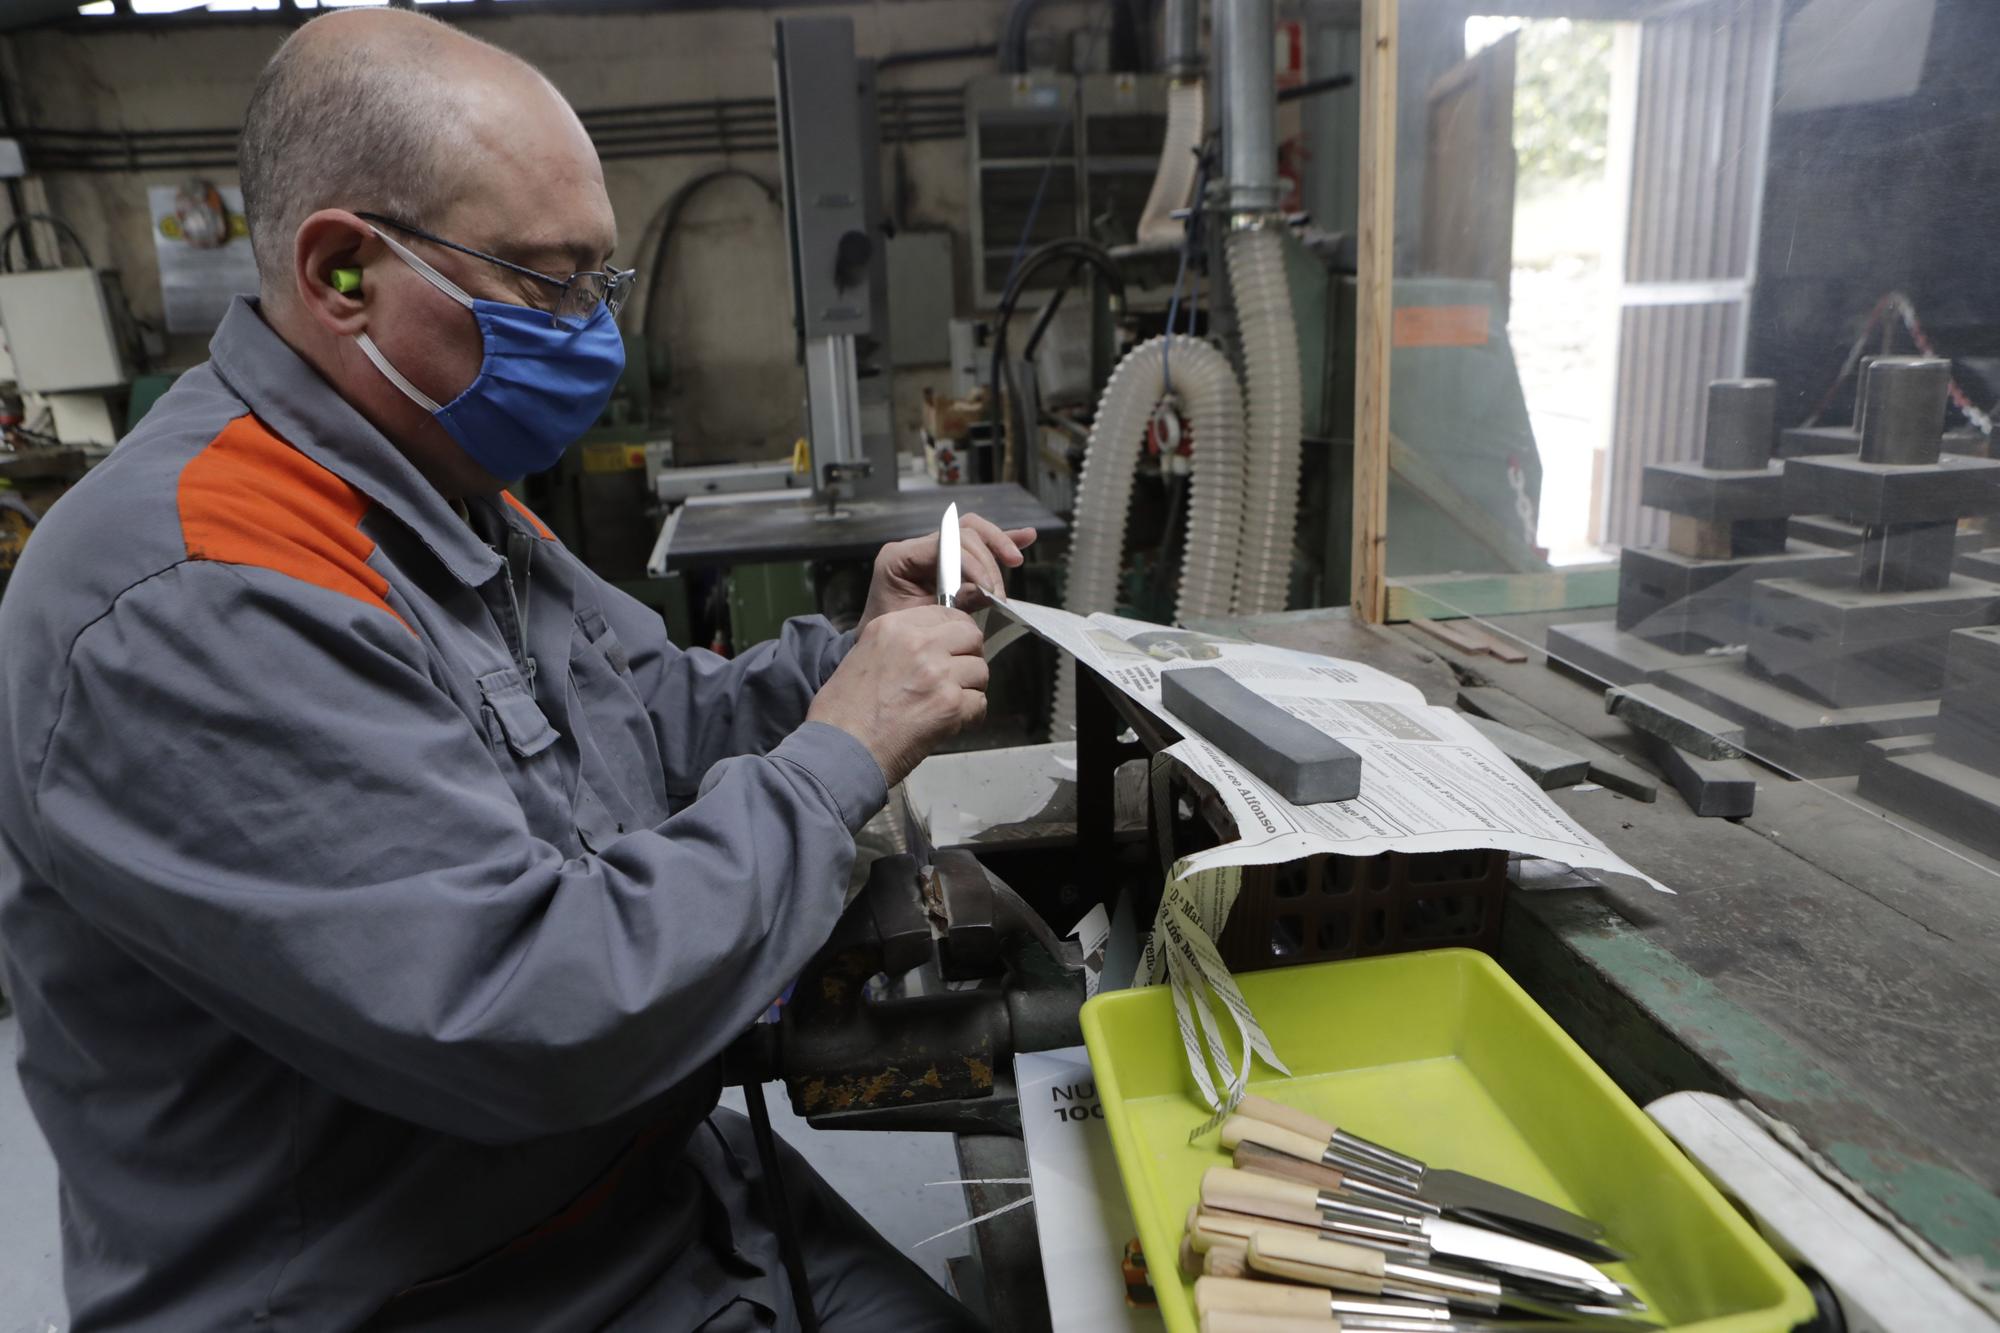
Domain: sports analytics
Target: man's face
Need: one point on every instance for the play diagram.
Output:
(530, 192)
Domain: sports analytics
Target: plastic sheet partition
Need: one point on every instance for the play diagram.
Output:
(1698, 152)
(1667, 354)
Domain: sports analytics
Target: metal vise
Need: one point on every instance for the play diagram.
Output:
(993, 977)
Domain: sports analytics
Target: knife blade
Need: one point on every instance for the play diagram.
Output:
(1341, 1267)
(1369, 1168)
(949, 556)
(1299, 1205)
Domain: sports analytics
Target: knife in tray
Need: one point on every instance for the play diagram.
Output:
(1466, 1198)
(1418, 1238)
(1340, 1267)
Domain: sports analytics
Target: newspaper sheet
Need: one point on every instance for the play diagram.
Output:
(1429, 783)
(1081, 1217)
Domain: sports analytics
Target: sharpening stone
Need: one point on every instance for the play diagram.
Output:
(1679, 722)
(1713, 788)
(1295, 759)
(1548, 766)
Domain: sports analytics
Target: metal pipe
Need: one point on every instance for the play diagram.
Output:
(1183, 46)
(1250, 104)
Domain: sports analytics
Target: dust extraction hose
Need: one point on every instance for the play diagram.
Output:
(1270, 340)
(1173, 183)
(1205, 385)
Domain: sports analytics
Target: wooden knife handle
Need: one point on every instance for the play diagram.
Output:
(1286, 1117)
(1256, 1158)
(1324, 1263)
(1240, 1129)
(1226, 1261)
(1233, 1321)
(1189, 1257)
(1245, 1192)
(1213, 1226)
(1235, 1295)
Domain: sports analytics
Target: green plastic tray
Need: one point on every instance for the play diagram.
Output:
(1441, 1056)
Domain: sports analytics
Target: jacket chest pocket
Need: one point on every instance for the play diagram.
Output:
(620, 754)
(523, 745)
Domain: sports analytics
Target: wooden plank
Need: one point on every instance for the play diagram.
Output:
(1375, 260)
(1455, 596)
(1490, 643)
(1446, 634)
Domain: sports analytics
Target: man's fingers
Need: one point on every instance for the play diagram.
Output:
(971, 708)
(962, 637)
(969, 672)
(951, 629)
(1004, 544)
(981, 573)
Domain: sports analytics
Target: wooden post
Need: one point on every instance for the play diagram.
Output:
(1373, 311)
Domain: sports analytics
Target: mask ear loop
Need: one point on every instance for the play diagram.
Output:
(422, 266)
(437, 280)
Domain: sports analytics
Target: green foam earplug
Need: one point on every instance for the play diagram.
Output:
(347, 280)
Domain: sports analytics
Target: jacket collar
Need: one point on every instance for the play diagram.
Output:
(291, 397)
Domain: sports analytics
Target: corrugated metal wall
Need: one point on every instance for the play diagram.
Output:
(1703, 119)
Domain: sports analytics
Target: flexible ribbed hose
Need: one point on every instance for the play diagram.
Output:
(1270, 340)
(1173, 183)
(1205, 385)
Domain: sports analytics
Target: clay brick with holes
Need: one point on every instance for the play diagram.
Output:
(1322, 908)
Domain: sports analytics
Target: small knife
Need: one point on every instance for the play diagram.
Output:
(1341, 1267)
(949, 556)
(1220, 1301)
(1420, 1238)
(1467, 1197)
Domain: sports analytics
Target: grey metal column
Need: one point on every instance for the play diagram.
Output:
(827, 143)
(1183, 38)
(1246, 40)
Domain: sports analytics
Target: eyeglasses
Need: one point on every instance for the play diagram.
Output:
(576, 297)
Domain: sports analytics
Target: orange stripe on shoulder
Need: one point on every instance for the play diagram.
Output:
(249, 498)
(533, 522)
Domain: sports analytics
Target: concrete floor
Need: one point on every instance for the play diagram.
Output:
(883, 1175)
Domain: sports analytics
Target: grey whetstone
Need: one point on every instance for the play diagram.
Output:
(1550, 766)
(1682, 723)
(1295, 759)
(1713, 788)
(1502, 707)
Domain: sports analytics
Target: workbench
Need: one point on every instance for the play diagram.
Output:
(740, 530)
(1818, 960)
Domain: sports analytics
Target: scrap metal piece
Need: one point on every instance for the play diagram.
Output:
(1902, 411)
(1741, 422)
(1715, 493)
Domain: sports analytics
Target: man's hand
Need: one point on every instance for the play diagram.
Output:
(913, 678)
(906, 572)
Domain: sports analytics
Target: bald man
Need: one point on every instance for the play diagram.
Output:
(379, 888)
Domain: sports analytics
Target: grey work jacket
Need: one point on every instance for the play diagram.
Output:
(377, 893)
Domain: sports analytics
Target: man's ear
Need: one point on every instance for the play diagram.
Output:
(330, 258)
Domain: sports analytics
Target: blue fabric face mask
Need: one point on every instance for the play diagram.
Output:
(539, 388)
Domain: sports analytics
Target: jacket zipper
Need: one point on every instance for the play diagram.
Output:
(520, 556)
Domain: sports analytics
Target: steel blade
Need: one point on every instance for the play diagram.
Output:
(1513, 1256)
(1596, 1252)
(1456, 1189)
(949, 556)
